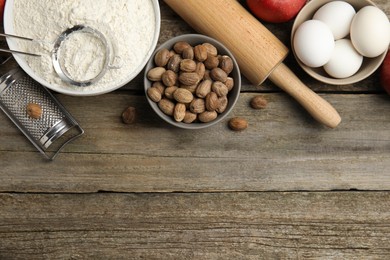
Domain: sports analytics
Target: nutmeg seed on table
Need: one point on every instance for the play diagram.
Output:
(238, 124)
(129, 115)
(258, 102)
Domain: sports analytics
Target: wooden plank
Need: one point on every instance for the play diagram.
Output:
(283, 149)
(330, 225)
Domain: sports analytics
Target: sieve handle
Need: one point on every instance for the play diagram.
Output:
(14, 51)
(20, 52)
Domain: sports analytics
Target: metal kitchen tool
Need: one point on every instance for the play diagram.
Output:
(53, 129)
(60, 68)
(56, 54)
(258, 52)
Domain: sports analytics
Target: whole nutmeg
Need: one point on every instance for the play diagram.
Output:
(188, 53)
(229, 83)
(190, 88)
(189, 117)
(211, 62)
(223, 102)
(174, 63)
(200, 52)
(226, 64)
(159, 85)
(161, 58)
(129, 115)
(169, 78)
(154, 94)
(238, 124)
(34, 110)
(207, 75)
(207, 116)
(258, 102)
(219, 88)
(166, 106)
(200, 69)
(179, 112)
(203, 88)
(189, 78)
(212, 101)
(187, 65)
(211, 49)
(197, 106)
(169, 92)
(218, 74)
(182, 95)
(180, 46)
(156, 73)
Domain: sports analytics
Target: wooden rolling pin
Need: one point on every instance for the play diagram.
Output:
(258, 52)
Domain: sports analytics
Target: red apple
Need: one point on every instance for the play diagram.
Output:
(275, 11)
(385, 73)
(2, 4)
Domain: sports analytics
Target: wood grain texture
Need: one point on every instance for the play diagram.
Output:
(338, 225)
(283, 149)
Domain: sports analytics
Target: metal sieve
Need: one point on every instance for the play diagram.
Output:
(60, 68)
(56, 56)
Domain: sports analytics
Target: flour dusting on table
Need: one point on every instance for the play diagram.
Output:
(128, 25)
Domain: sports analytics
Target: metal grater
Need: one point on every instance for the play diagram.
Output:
(55, 128)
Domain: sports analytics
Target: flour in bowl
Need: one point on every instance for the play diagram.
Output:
(128, 25)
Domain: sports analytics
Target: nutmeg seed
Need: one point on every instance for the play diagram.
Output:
(238, 124)
(187, 65)
(182, 95)
(197, 106)
(258, 102)
(169, 78)
(189, 117)
(219, 88)
(226, 64)
(161, 58)
(211, 62)
(203, 88)
(179, 112)
(200, 52)
(212, 101)
(207, 116)
(155, 74)
(180, 46)
(166, 106)
(211, 49)
(188, 53)
(34, 110)
(154, 94)
(218, 74)
(129, 115)
(174, 63)
(189, 78)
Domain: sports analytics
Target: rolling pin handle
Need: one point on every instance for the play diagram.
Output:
(317, 107)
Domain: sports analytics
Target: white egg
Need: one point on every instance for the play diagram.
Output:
(313, 43)
(370, 31)
(345, 60)
(338, 16)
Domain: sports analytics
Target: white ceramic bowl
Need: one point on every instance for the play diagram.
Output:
(9, 29)
(369, 66)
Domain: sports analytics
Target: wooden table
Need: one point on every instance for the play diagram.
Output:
(285, 188)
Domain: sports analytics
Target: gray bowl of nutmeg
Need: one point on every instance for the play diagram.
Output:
(192, 81)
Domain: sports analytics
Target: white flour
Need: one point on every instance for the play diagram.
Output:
(127, 24)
